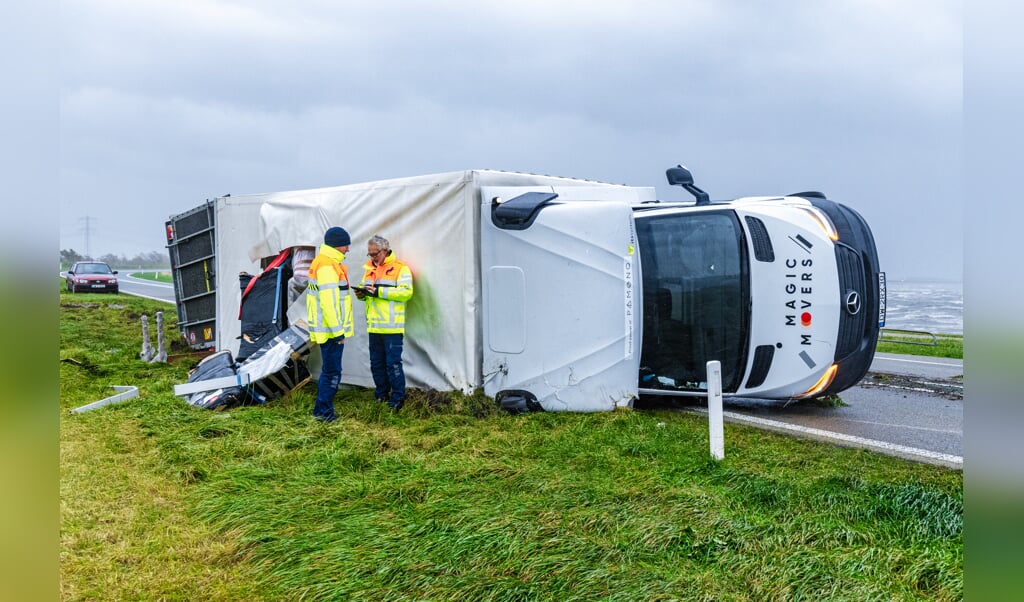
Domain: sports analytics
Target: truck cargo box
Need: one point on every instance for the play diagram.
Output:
(434, 224)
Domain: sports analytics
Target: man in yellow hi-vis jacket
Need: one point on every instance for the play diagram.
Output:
(386, 287)
(329, 313)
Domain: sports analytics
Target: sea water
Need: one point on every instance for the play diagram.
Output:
(929, 306)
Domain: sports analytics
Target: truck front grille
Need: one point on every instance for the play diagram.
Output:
(851, 280)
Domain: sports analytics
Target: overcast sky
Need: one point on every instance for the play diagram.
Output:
(165, 104)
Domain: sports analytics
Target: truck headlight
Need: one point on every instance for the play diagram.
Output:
(823, 382)
(822, 220)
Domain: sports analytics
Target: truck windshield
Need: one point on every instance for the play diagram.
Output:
(696, 299)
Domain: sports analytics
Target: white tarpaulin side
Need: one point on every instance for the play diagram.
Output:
(433, 224)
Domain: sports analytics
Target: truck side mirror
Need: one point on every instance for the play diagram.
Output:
(518, 213)
(680, 176)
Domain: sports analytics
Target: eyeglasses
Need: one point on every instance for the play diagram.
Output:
(379, 251)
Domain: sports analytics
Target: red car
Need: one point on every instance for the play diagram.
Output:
(92, 276)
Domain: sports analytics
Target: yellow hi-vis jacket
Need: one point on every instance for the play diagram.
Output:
(385, 313)
(328, 304)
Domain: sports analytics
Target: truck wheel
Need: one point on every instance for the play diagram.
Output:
(516, 401)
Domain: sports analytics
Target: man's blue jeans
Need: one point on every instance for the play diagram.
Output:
(386, 366)
(330, 376)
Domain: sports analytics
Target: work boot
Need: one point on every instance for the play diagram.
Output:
(396, 405)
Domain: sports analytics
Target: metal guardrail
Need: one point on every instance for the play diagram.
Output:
(911, 334)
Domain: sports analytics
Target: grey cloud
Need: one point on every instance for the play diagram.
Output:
(860, 99)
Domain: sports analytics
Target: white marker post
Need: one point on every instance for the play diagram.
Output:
(716, 434)
(161, 351)
(147, 348)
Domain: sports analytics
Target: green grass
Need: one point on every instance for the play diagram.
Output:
(944, 345)
(453, 500)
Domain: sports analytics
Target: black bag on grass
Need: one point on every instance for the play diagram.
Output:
(217, 365)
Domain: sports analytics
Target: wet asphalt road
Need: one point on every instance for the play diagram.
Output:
(144, 288)
(907, 406)
(919, 366)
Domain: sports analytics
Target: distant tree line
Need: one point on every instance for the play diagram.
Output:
(150, 260)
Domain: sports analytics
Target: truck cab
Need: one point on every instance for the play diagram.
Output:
(785, 292)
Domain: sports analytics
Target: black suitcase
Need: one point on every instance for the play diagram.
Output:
(263, 308)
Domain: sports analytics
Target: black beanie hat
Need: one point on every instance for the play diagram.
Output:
(336, 237)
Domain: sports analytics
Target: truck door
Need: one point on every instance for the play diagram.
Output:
(561, 316)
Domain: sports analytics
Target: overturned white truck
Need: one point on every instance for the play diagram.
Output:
(564, 294)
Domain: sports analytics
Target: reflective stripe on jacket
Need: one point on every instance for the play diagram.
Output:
(328, 304)
(385, 313)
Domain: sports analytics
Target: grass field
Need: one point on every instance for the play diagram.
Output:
(158, 276)
(452, 500)
(915, 343)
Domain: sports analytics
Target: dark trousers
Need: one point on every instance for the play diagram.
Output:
(330, 376)
(386, 366)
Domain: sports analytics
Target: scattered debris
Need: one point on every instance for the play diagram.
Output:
(198, 354)
(88, 367)
(950, 389)
(275, 370)
(214, 383)
(126, 393)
